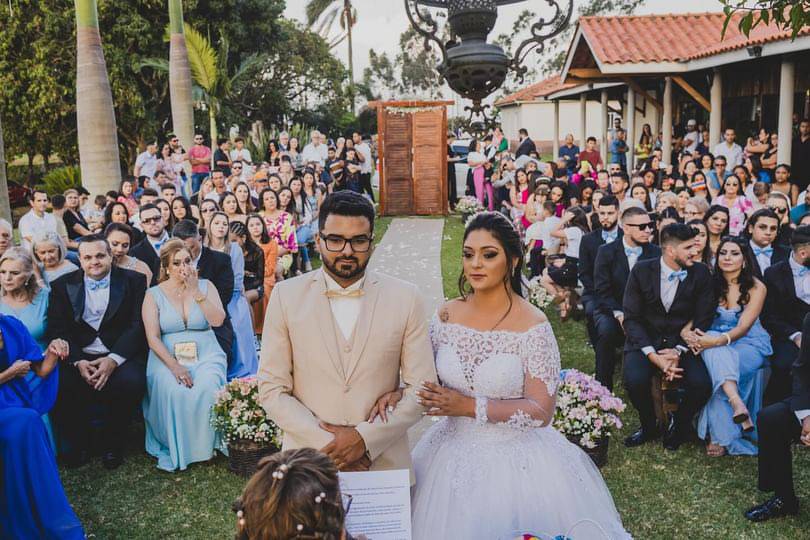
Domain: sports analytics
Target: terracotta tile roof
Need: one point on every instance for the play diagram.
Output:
(535, 91)
(670, 38)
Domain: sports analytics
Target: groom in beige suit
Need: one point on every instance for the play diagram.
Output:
(336, 339)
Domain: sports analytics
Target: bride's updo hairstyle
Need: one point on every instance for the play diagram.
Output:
(504, 232)
(293, 495)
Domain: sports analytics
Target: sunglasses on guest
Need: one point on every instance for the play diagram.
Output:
(641, 226)
(779, 209)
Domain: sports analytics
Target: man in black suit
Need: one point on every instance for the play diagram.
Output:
(216, 268)
(608, 214)
(779, 426)
(661, 297)
(613, 265)
(763, 227)
(526, 146)
(98, 311)
(155, 235)
(786, 305)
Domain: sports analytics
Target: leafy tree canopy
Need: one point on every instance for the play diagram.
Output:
(790, 15)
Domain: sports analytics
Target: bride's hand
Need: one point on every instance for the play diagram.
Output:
(385, 405)
(442, 401)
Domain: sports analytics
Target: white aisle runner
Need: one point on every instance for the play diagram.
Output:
(411, 250)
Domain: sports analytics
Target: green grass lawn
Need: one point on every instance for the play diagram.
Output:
(659, 494)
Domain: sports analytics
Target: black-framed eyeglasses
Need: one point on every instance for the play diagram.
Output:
(641, 226)
(334, 243)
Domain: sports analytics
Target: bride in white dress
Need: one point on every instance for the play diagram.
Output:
(492, 467)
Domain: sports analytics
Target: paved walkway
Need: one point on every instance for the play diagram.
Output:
(411, 250)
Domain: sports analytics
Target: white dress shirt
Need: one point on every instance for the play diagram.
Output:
(314, 153)
(159, 244)
(31, 225)
(95, 306)
(669, 288)
(733, 154)
(763, 260)
(367, 166)
(345, 310)
(631, 259)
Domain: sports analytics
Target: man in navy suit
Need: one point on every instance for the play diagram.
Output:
(612, 269)
(763, 227)
(662, 296)
(526, 146)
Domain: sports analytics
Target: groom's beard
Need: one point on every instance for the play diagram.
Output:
(346, 267)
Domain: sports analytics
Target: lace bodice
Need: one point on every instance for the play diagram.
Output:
(512, 375)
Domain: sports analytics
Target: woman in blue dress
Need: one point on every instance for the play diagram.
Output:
(33, 503)
(734, 350)
(186, 365)
(245, 360)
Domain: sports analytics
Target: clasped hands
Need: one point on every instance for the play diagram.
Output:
(57, 349)
(668, 361)
(439, 401)
(347, 449)
(97, 372)
(697, 340)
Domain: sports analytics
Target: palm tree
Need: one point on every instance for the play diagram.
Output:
(180, 77)
(95, 115)
(327, 12)
(215, 84)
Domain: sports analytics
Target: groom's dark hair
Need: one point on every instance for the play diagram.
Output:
(346, 203)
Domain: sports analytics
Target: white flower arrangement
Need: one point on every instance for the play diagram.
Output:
(537, 295)
(469, 205)
(586, 410)
(238, 415)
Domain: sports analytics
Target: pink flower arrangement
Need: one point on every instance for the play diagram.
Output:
(238, 415)
(586, 410)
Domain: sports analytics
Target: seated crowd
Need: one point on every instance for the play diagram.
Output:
(152, 300)
(693, 277)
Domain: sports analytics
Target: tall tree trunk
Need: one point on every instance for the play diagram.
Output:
(95, 115)
(180, 77)
(347, 13)
(212, 119)
(5, 205)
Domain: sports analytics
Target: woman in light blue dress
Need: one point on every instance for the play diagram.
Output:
(245, 360)
(25, 298)
(734, 349)
(186, 366)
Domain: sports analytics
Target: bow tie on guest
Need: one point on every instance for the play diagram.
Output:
(95, 285)
(680, 275)
(158, 245)
(801, 272)
(354, 293)
(632, 252)
(763, 251)
(609, 237)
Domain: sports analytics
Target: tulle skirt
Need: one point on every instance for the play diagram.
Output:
(495, 482)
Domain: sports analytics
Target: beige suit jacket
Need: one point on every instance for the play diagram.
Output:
(302, 379)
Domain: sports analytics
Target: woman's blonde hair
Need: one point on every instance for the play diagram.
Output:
(167, 253)
(293, 495)
(22, 255)
(48, 237)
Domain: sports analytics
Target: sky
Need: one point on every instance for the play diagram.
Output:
(379, 27)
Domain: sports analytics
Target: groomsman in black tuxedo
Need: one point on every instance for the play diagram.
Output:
(662, 296)
(763, 227)
(216, 268)
(786, 305)
(155, 235)
(608, 213)
(779, 426)
(98, 312)
(613, 265)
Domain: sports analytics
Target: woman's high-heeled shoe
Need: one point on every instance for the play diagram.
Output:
(741, 415)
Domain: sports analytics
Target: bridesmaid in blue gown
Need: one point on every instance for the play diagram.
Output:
(33, 503)
(245, 359)
(181, 384)
(734, 349)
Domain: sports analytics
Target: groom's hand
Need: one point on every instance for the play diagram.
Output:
(347, 447)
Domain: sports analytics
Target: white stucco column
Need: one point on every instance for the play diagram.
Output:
(716, 116)
(555, 140)
(666, 124)
(630, 126)
(603, 144)
(787, 81)
(583, 120)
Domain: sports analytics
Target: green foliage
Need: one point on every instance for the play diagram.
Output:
(59, 180)
(793, 15)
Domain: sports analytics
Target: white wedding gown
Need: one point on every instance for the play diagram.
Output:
(509, 475)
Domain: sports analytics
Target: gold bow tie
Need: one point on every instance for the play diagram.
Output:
(354, 293)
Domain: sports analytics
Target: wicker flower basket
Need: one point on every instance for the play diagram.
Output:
(599, 454)
(244, 456)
